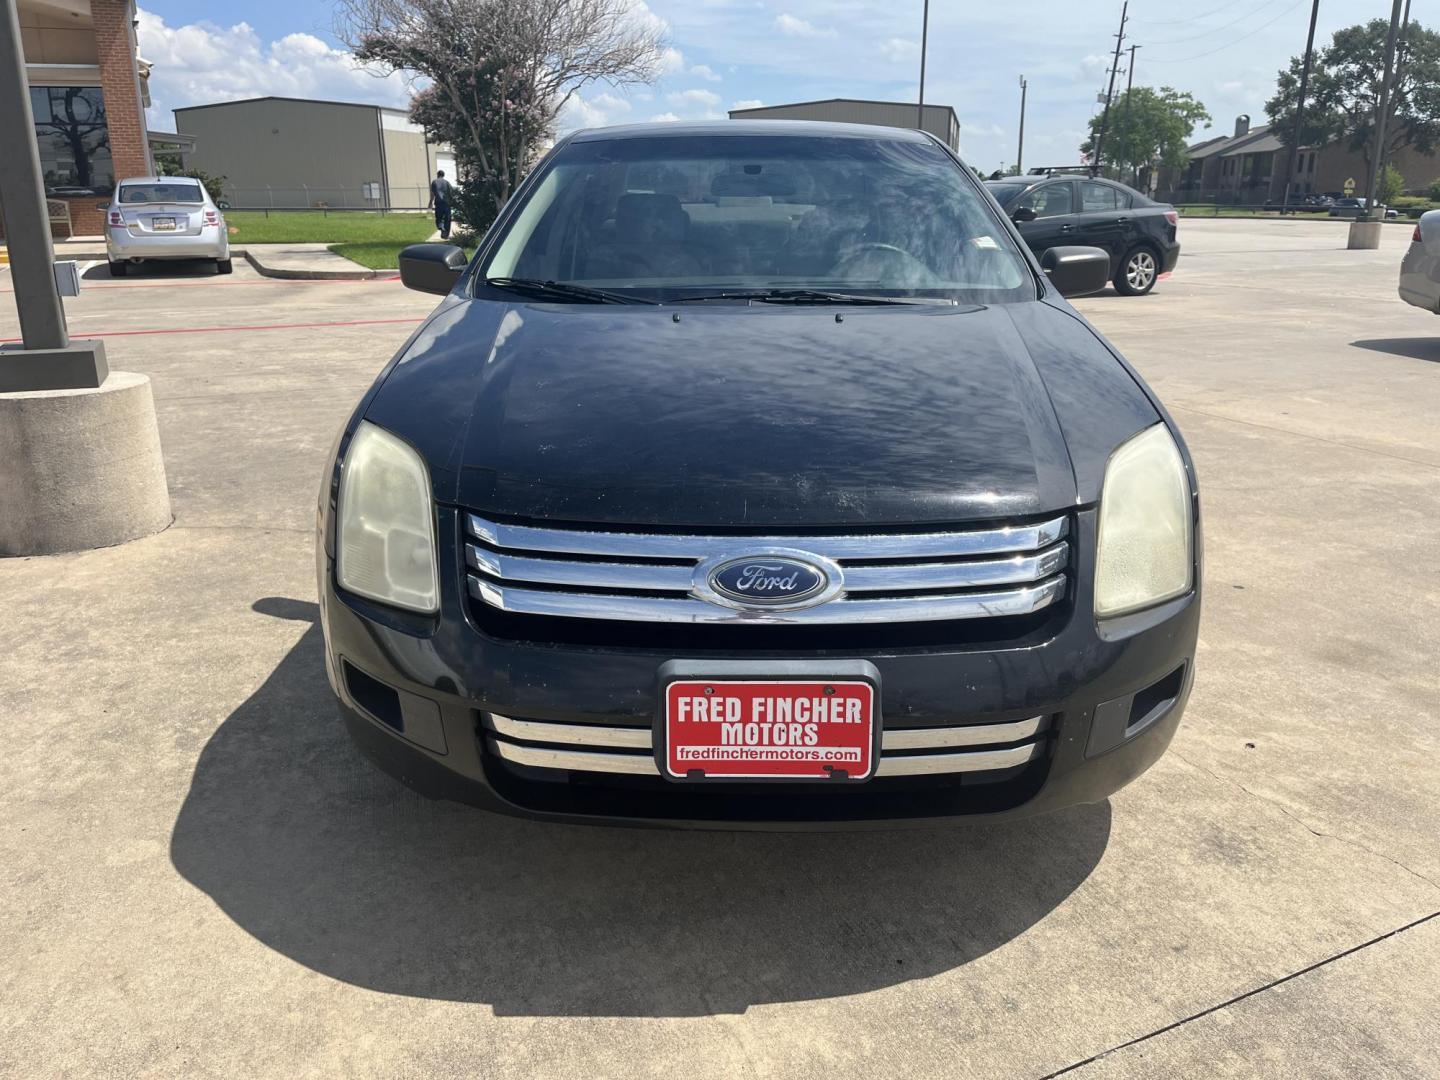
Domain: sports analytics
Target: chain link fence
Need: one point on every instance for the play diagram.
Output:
(318, 197)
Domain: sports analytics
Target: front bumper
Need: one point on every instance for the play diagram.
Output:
(212, 242)
(1097, 687)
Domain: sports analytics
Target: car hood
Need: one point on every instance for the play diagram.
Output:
(761, 416)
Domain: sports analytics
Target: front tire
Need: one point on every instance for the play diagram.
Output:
(1138, 272)
(118, 269)
(224, 266)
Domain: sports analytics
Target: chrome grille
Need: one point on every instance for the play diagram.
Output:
(627, 750)
(651, 577)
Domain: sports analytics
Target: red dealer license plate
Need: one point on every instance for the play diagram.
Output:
(763, 730)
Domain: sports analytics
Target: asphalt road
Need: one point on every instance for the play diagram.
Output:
(200, 878)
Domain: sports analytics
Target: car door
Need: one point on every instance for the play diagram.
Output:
(1053, 204)
(1102, 221)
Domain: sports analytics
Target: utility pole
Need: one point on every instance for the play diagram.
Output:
(1020, 150)
(1300, 105)
(1378, 152)
(924, 40)
(1129, 84)
(1401, 46)
(1109, 93)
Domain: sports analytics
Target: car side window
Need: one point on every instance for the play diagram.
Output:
(1123, 200)
(1051, 200)
(1095, 197)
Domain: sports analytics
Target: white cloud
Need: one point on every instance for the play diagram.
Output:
(704, 71)
(603, 110)
(203, 62)
(746, 103)
(672, 62)
(794, 26)
(899, 50)
(665, 118)
(706, 98)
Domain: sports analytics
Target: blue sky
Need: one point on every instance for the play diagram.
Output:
(726, 52)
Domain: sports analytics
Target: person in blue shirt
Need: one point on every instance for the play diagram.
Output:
(441, 193)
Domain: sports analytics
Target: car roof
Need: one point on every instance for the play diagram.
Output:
(812, 128)
(158, 180)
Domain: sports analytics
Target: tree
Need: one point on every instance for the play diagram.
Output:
(1392, 185)
(498, 72)
(1344, 92)
(169, 165)
(1147, 127)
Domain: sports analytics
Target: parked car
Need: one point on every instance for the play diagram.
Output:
(164, 217)
(1355, 208)
(847, 517)
(1310, 202)
(1420, 270)
(1138, 232)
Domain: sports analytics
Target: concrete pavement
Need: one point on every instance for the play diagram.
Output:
(201, 878)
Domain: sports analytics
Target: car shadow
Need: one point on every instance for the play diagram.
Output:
(1415, 348)
(155, 268)
(324, 859)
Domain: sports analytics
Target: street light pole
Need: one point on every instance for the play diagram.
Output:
(1020, 150)
(1300, 105)
(22, 198)
(924, 41)
(1130, 85)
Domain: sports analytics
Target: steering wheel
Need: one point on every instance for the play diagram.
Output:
(854, 254)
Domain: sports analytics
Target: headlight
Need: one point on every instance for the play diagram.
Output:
(1145, 538)
(386, 532)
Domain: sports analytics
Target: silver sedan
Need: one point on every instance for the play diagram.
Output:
(1420, 272)
(164, 217)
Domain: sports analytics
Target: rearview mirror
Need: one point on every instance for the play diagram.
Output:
(1077, 271)
(432, 268)
(1023, 214)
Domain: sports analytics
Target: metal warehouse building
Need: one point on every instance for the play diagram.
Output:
(940, 120)
(294, 152)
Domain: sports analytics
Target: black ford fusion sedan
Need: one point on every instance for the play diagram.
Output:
(755, 475)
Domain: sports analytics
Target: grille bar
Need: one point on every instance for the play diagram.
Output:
(640, 738)
(1018, 569)
(1011, 570)
(582, 748)
(993, 541)
(659, 609)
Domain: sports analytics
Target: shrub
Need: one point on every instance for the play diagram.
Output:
(1392, 185)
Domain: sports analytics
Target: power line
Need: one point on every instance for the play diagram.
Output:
(1233, 41)
(1110, 93)
(1191, 19)
(1218, 29)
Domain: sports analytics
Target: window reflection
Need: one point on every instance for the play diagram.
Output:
(74, 141)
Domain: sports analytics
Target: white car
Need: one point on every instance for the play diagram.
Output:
(1420, 272)
(164, 217)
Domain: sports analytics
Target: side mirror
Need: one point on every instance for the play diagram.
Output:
(1022, 215)
(432, 268)
(1077, 271)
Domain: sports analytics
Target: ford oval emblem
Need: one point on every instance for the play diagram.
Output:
(768, 580)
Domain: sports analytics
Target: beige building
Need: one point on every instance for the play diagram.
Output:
(88, 93)
(294, 152)
(940, 120)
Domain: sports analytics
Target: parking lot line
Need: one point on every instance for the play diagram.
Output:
(233, 329)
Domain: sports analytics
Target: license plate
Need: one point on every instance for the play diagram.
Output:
(163, 224)
(750, 729)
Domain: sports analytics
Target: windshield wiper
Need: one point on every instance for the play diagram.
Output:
(805, 296)
(568, 290)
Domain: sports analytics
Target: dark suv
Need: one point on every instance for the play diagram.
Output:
(1138, 232)
(753, 474)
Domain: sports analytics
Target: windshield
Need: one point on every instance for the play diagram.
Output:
(1005, 192)
(172, 191)
(671, 216)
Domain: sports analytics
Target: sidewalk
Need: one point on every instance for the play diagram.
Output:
(304, 261)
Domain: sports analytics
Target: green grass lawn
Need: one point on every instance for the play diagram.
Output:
(377, 255)
(314, 227)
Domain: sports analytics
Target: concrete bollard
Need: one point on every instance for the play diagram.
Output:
(80, 469)
(1364, 235)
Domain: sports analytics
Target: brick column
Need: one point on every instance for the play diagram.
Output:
(115, 47)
